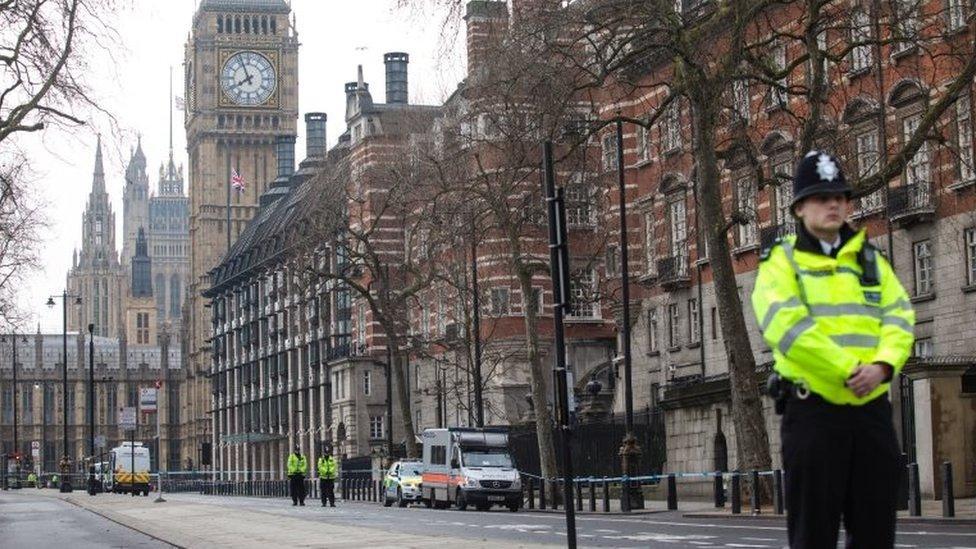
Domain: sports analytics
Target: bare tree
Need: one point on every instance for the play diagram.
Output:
(43, 48)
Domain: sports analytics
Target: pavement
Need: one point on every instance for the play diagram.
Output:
(191, 520)
(29, 520)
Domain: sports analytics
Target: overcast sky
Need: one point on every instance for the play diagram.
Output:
(133, 85)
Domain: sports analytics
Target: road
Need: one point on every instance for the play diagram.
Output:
(28, 520)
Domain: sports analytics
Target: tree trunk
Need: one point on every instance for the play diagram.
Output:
(403, 396)
(540, 396)
(752, 441)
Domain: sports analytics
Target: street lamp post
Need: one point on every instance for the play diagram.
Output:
(66, 459)
(629, 450)
(16, 483)
(91, 410)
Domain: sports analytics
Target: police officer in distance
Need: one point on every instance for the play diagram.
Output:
(297, 468)
(328, 471)
(841, 327)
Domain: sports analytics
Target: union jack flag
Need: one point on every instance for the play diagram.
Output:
(237, 180)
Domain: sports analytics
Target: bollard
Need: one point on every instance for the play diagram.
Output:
(625, 494)
(557, 489)
(736, 495)
(914, 497)
(592, 487)
(672, 492)
(778, 491)
(542, 494)
(579, 495)
(948, 497)
(756, 501)
(606, 495)
(531, 493)
(719, 490)
(903, 484)
(344, 488)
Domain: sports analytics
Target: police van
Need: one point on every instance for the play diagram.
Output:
(128, 469)
(466, 466)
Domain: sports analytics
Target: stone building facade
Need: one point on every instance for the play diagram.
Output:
(120, 371)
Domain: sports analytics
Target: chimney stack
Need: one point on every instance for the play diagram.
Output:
(286, 155)
(396, 77)
(315, 134)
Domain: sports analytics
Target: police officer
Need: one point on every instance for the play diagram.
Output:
(841, 327)
(328, 471)
(297, 468)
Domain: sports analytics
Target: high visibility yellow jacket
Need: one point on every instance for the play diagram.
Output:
(297, 464)
(821, 321)
(327, 468)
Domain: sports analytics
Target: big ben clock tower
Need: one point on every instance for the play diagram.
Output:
(241, 77)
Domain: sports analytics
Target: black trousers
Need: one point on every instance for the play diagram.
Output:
(297, 488)
(327, 490)
(840, 461)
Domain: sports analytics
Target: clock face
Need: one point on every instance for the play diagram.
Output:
(248, 78)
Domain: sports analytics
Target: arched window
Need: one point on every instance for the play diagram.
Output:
(264, 24)
(175, 296)
(220, 23)
(159, 289)
(237, 24)
(247, 25)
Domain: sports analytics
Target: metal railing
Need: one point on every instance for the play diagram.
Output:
(673, 271)
(911, 200)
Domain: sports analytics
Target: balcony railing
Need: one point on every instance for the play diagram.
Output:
(672, 272)
(768, 235)
(911, 203)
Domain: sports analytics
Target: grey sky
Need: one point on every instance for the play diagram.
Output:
(133, 84)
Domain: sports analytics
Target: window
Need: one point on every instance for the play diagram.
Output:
(417, 421)
(652, 342)
(782, 174)
(367, 379)
(142, 328)
(609, 152)
(714, 324)
(740, 99)
(923, 268)
(649, 243)
(582, 294)
(861, 56)
(694, 331)
(8, 404)
(957, 12)
(868, 160)
(671, 127)
(499, 302)
(579, 204)
(641, 145)
(906, 25)
(441, 320)
(678, 222)
(745, 198)
(376, 427)
(777, 93)
(970, 240)
(917, 170)
(673, 325)
(424, 321)
(612, 262)
(923, 348)
(964, 138)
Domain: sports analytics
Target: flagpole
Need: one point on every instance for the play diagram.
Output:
(228, 201)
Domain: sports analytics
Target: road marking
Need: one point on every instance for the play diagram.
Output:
(759, 539)
(745, 545)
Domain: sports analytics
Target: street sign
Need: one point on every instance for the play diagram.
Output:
(147, 399)
(100, 441)
(127, 418)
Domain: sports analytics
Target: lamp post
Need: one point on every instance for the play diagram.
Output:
(66, 459)
(629, 450)
(91, 410)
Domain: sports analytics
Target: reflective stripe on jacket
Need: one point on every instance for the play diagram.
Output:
(821, 322)
(297, 464)
(327, 468)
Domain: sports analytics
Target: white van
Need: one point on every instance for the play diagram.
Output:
(466, 466)
(121, 477)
